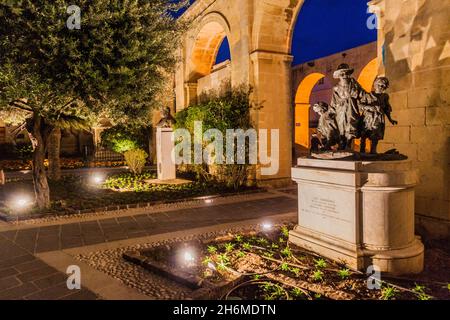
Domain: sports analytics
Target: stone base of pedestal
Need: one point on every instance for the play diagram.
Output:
(164, 145)
(408, 260)
(359, 213)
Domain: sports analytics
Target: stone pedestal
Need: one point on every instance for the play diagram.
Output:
(360, 213)
(164, 147)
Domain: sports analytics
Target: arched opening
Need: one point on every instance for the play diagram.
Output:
(209, 61)
(368, 75)
(205, 49)
(303, 115)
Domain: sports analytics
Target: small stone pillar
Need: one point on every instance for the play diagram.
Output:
(164, 146)
(359, 212)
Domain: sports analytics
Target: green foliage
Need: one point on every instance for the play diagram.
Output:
(262, 241)
(136, 160)
(320, 263)
(295, 271)
(212, 249)
(317, 275)
(285, 231)
(344, 273)
(286, 252)
(227, 110)
(229, 247)
(224, 260)
(238, 238)
(297, 293)
(122, 138)
(388, 293)
(207, 260)
(420, 290)
(240, 254)
(116, 62)
(284, 267)
(247, 246)
(273, 291)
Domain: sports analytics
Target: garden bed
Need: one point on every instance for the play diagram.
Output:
(116, 191)
(262, 265)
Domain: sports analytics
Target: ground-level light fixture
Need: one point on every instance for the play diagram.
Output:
(267, 226)
(21, 202)
(97, 178)
(188, 257)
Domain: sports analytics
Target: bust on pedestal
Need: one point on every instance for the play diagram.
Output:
(357, 208)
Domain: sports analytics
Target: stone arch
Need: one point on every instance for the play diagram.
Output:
(274, 25)
(368, 75)
(302, 110)
(207, 38)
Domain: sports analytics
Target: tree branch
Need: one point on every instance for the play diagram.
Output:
(20, 105)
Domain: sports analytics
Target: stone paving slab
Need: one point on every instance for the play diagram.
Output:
(78, 234)
(23, 276)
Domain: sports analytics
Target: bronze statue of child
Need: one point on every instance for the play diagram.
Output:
(328, 132)
(373, 115)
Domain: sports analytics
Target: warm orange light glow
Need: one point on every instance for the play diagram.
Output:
(368, 75)
(366, 79)
(302, 106)
(205, 49)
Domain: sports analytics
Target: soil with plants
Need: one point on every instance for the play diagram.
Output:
(270, 268)
(74, 193)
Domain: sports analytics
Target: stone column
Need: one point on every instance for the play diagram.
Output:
(271, 73)
(164, 147)
(190, 93)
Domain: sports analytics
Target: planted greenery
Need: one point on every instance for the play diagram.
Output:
(136, 160)
(79, 193)
(226, 110)
(272, 269)
(122, 138)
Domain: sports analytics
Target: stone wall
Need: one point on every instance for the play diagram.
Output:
(220, 77)
(414, 36)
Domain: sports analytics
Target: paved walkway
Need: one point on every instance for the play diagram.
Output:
(23, 276)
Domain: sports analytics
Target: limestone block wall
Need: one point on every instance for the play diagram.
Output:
(220, 77)
(416, 44)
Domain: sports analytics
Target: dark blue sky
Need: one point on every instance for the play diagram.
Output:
(324, 27)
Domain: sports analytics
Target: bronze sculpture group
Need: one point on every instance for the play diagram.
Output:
(352, 114)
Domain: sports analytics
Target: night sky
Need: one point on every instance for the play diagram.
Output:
(325, 27)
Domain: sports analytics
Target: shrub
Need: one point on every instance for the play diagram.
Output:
(229, 109)
(123, 138)
(136, 160)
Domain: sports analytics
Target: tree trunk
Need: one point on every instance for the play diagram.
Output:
(54, 149)
(41, 188)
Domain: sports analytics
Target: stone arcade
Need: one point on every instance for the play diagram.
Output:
(260, 37)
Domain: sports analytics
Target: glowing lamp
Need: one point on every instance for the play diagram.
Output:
(188, 257)
(97, 178)
(21, 202)
(267, 226)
